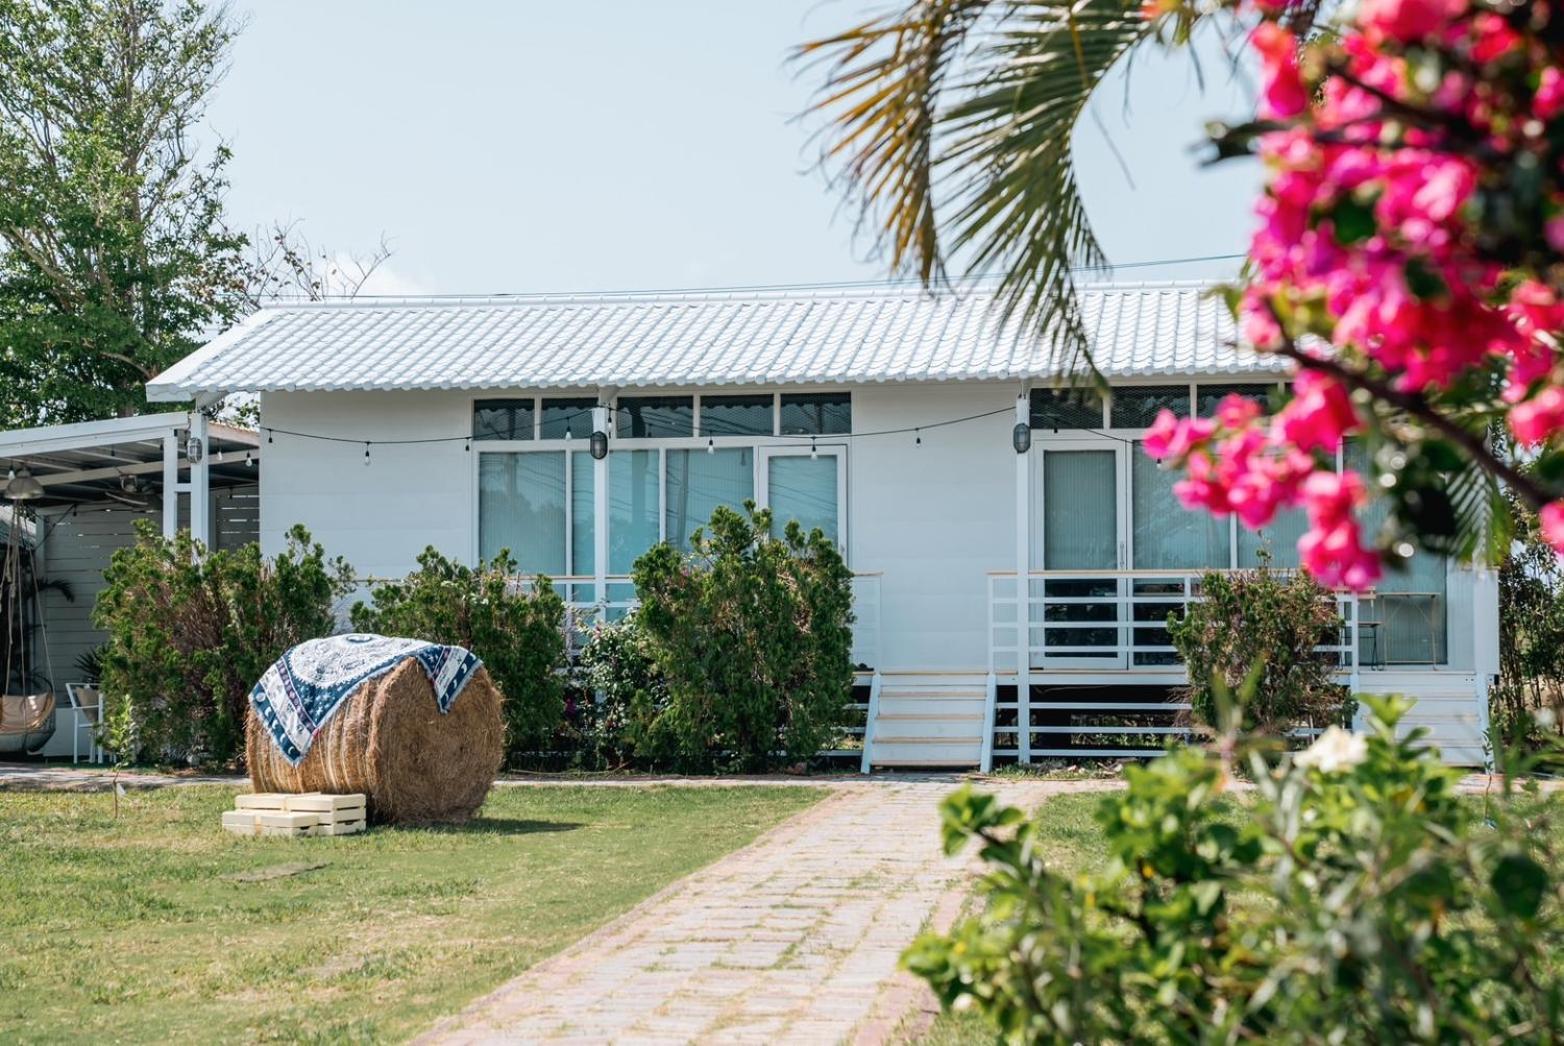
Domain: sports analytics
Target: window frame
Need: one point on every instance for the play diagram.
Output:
(774, 442)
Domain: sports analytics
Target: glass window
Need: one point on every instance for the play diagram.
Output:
(699, 481)
(1079, 510)
(1137, 406)
(804, 489)
(583, 505)
(1405, 623)
(656, 417)
(633, 506)
(1167, 536)
(572, 417)
(502, 419)
(737, 416)
(521, 507)
(1280, 540)
(817, 414)
(1208, 396)
(1066, 409)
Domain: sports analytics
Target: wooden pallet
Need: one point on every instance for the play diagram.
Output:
(307, 814)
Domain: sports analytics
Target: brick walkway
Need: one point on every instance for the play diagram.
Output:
(794, 938)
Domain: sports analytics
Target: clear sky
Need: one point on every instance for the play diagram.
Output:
(630, 145)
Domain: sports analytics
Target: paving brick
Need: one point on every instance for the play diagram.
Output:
(796, 938)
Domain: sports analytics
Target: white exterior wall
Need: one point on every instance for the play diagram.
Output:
(933, 519)
(379, 516)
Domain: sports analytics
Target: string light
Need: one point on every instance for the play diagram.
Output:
(366, 452)
(711, 445)
(814, 452)
(466, 439)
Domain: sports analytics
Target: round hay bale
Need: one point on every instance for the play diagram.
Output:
(389, 741)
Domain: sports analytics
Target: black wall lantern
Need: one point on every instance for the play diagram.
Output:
(599, 446)
(1021, 437)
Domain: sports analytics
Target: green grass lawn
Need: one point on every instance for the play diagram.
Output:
(161, 927)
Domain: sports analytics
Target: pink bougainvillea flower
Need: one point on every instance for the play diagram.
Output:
(1548, 102)
(1173, 437)
(1285, 94)
(1408, 20)
(1319, 415)
(1536, 420)
(1552, 519)
(1235, 411)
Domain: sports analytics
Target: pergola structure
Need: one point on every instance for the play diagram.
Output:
(134, 461)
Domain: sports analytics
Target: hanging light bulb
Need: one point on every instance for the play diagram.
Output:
(250, 459)
(269, 438)
(21, 486)
(711, 445)
(366, 453)
(919, 434)
(814, 451)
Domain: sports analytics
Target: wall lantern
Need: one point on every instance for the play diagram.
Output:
(599, 446)
(1021, 437)
(193, 449)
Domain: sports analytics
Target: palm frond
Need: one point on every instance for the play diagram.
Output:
(1018, 205)
(884, 81)
(987, 96)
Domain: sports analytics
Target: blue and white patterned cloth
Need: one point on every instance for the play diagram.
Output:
(305, 687)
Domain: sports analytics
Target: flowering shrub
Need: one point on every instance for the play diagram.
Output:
(1262, 628)
(1362, 899)
(1407, 261)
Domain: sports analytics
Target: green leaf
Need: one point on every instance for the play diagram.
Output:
(1520, 884)
(1354, 221)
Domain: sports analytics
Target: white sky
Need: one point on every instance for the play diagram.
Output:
(628, 145)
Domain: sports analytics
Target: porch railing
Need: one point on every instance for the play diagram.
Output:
(1111, 620)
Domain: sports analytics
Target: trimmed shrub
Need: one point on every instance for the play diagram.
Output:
(190, 630)
(1361, 899)
(752, 636)
(519, 634)
(1268, 622)
(621, 692)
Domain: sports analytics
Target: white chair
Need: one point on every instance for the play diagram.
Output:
(86, 712)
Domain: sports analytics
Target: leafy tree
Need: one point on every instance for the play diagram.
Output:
(114, 258)
(1530, 690)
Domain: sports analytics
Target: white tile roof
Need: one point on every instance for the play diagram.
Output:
(1140, 331)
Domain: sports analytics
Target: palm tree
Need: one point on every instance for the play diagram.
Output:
(951, 125)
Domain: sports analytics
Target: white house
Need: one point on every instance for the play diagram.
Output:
(887, 418)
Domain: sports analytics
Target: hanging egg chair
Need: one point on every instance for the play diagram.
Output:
(27, 705)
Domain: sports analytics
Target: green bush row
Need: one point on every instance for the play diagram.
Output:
(738, 658)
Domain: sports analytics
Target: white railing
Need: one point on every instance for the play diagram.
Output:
(1110, 621)
(583, 610)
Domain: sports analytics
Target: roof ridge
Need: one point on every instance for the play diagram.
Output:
(799, 293)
